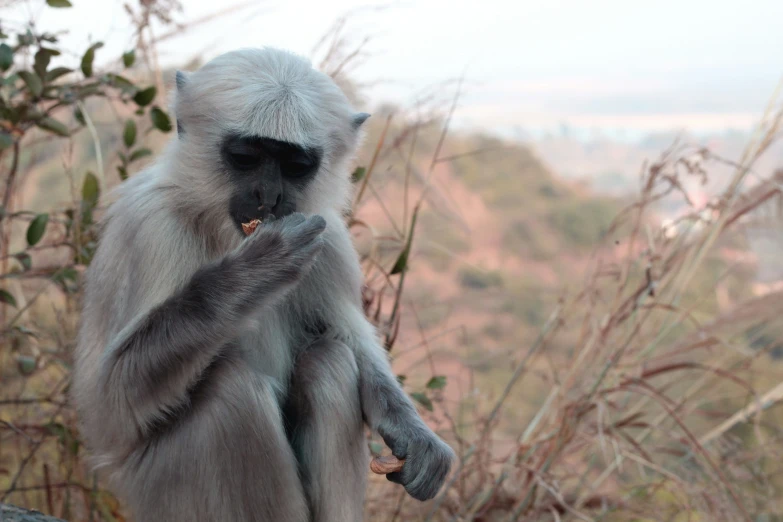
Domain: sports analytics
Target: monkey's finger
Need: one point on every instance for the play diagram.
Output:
(310, 229)
(317, 223)
(395, 477)
(293, 220)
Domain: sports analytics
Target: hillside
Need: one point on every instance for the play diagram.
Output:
(500, 240)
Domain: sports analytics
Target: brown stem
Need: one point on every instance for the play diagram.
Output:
(4, 232)
(9, 184)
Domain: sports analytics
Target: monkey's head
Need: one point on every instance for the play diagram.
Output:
(261, 132)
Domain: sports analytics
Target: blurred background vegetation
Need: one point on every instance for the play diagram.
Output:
(590, 355)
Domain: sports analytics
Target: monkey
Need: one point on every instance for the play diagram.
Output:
(224, 377)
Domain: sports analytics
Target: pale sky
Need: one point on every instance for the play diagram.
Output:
(610, 64)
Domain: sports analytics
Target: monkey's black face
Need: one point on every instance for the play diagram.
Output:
(266, 175)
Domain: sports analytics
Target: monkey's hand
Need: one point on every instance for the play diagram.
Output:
(427, 460)
(282, 251)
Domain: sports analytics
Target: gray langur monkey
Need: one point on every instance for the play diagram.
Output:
(227, 378)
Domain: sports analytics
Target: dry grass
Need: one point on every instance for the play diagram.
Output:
(662, 410)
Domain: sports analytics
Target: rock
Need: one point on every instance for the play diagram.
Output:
(10, 513)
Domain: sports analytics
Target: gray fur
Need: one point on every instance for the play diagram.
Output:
(227, 378)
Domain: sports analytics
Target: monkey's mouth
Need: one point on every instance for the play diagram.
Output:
(249, 221)
(244, 212)
(249, 224)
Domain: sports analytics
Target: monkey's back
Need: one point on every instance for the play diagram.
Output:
(135, 266)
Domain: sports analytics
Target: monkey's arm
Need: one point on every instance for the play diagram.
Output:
(149, 365)
(388, 410)
(386, 407)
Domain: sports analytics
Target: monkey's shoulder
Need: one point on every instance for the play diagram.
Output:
(143, 254)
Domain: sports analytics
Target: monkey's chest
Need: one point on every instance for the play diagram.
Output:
(271, 342)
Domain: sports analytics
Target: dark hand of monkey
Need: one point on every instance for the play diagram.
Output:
(275, 256)
(427, 461)
(384, 465)
(295, 239)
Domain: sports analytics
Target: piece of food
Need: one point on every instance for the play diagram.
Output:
(249, 228)
(384, 465)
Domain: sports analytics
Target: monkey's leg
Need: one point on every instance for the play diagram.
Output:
(226, 460)
(327, 432)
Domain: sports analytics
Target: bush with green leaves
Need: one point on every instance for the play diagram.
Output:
(40, 101)
(51, 105)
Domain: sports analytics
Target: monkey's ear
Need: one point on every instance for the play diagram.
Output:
(359, 118)
(181, 79)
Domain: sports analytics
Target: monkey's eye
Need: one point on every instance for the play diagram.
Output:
(297, 169)
(244, 160)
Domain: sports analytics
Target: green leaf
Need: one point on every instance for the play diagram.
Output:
(69, 213)
(77, 113)
(25, 331)
(86, 91)
(42, 58)
(86, 212)
(10, 80)
(437, 382)
(138, 154)
(86, 253)
(26, 39)
(123, 172)
(88, 58)
(145, 97)
(57, 429)
(422, 399)
(129, 136)
(65, 435)
(401, 379)
(58, 3)
(31, 113)
(358, 174)
(122, 83)
(57, 72)
(6, 57)
(32, 81)
(52, 125)
(11, 113)
(90, 189)
(25, 260)
(402, 261)
(376, 448)
(6, 140)
(129, 58)
(36, 229)
(160, 119)
(7, 298)
(26, 364)
(66, 274)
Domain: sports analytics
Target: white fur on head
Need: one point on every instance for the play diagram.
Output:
(269, 93)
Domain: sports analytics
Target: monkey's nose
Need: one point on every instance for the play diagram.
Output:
(269, 200)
